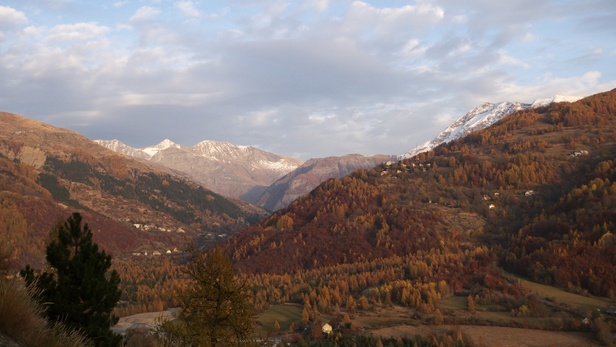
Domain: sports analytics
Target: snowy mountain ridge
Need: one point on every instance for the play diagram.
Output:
(482, 117)
(228, 169)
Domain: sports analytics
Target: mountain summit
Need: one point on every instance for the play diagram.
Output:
(482, 117)
(232, 170)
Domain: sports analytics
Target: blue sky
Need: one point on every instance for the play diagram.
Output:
(306, 79)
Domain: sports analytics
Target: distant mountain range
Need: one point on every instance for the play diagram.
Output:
(266, 179)
(273, 181)
(235, 171)
(482, 117)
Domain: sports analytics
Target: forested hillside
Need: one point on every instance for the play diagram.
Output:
(46, 173)
(535, 194)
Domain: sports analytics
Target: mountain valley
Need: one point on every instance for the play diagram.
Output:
(460, 234)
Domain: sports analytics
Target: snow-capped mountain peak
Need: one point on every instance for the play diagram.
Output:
(217, 150)
(120, 147)
(223, 167)
(164, 144)
(482, 117)
(555, 98)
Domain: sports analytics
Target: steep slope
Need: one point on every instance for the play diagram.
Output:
(231, 170)
(47, 172)
(482, 117)
(312, 173)
(535, 191)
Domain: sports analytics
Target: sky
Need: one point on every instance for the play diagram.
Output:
(307, 79)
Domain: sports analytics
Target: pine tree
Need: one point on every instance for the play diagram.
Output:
(79, 291)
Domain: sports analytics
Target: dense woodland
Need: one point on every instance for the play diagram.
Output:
(537, 192)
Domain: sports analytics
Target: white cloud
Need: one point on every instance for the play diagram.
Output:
(505, 58)
(412, 48)
(145, 13)
(188, 8)
(320, 5)
(320, 118)
(77, 31)
(363, 16)
(11, 18)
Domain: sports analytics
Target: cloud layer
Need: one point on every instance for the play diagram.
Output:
(306, 79)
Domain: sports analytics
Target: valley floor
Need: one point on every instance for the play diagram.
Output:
(497, 336)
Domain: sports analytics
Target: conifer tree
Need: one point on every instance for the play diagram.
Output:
(216, 307)
(78, 291)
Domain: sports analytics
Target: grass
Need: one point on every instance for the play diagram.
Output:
(285, 314)
(21, 320)
(453, 303)
(575, 301)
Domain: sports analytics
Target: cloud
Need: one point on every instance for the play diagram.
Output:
(311, 79)
(320, 5)
(78, 31)
(11, 18)
(383, 29)
(145, 13)
(188, 8)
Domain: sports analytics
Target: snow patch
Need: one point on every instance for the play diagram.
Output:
(482, 117)
(164, 144)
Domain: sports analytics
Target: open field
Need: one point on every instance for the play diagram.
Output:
(384, 317)
(575, 301)
(285, 314)
(497, 336)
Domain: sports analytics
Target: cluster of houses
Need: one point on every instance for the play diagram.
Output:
(148, 227)
(155, 253)
(578, 153)
(402, 166)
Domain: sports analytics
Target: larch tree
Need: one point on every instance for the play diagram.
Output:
(78, 290)
(216, 306)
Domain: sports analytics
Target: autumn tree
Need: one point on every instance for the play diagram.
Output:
(470, 303)
(438, 318)
(79, 290)
(216, 305)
